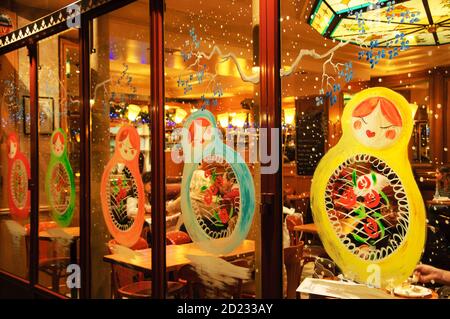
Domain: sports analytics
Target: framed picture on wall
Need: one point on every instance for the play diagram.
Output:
(46, 115)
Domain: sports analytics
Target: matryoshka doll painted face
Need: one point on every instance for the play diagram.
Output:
(376, 123)
(128, 144)
(58, 144)
(12, 146)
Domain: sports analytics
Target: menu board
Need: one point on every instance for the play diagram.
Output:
(311, 133)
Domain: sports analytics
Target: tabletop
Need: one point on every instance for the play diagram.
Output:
(307, 228)
(438, 202)
(141, 260)
(66, 232)
(334, 288)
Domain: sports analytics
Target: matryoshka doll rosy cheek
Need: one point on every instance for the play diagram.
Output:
(390, 134)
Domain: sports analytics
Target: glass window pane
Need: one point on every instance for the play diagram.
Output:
(120, 153)
(375, 59)
(15, 163)
(59, 162)
(212, 98)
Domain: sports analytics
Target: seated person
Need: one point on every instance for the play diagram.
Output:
(443, 181)
(147, 180)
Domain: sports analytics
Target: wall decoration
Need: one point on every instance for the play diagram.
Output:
(122, 190)
(217, 190)
(18, 176)
(364, 198)
(46, 116)
(59, 180)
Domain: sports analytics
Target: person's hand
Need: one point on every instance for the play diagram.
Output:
(427, 273)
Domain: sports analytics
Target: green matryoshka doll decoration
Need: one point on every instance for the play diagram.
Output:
(59, 181)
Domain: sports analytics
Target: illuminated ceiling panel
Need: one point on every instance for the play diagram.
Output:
(422, 22)
(323, 15)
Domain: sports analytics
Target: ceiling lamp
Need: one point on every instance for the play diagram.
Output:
(133, 112)
(422, 22)
(180, 114)
(239, 119)
(289, 116)
(223, 119)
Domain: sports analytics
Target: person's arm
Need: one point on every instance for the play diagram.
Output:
(173, 206)
(427, 273)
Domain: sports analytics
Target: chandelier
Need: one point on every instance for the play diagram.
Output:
(421, 22)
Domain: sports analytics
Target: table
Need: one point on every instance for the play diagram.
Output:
(72, 233)
(298, 196)
(332, 287)
(175, 256)
(445, 202)
(306, 228)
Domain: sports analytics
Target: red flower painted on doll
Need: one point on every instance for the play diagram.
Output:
(364, 182)
(372, 199)
(371, 228)
(208, 197)
(207, 173)
(223, 215)
(214, 189)
(219, 181)
(232, 194)
(121, 195)
(348, 199)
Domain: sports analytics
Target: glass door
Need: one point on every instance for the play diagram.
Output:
(120, 153)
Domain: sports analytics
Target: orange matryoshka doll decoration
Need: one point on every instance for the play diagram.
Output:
(18, 176)
(122, 189)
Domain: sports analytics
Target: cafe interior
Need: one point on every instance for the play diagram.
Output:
(102, 101)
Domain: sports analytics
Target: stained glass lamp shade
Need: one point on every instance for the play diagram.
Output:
(423, 22)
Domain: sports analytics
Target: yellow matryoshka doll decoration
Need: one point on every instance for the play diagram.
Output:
(365, 201)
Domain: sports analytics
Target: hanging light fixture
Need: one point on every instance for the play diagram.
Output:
(133, 112)
(289, 116)
(239, 119)
(180, 114)
(422, 22)
(223, 119)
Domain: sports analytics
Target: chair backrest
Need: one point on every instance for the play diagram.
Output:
(122, 276)
(291, 222)
(292, 260)
(45, 246)
(194, 284)
(177, 237)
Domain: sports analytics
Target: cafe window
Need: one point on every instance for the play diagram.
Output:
(212, 199)
(15, 163)
(363, 138)
(120, 151)
(59, 161)
(332, 52)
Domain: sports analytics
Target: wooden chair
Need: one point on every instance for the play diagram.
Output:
(310, 252)
(49, 263)
(177, 237)
(130, 284)
(293, 262)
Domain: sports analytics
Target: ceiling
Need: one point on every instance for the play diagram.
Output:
(227, 24)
